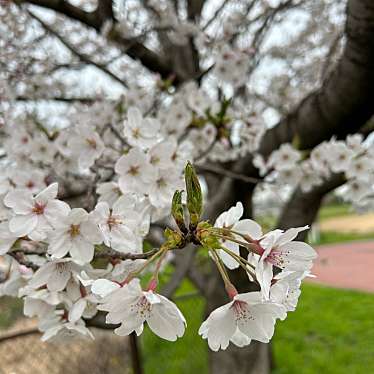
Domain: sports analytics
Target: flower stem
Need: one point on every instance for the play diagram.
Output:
(221, 269)
(149, 260)
(241, 261)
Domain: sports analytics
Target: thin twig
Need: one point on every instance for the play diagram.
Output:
(17, 334)
(228, 173)
(81, 56)
(117, 134)
(216, 14)
(19, 257)
(109, 253)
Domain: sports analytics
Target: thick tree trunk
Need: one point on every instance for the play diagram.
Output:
(254, 359)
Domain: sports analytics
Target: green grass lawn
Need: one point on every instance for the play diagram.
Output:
(332, 331)
(189, 353)
(10, 310)
(330, 237)
(334, 210)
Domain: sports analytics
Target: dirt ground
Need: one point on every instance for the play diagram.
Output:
(107, 354)
(352, 223)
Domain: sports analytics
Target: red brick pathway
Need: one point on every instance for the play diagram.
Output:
(346, 265)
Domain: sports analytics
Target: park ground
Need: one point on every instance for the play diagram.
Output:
(331, 331)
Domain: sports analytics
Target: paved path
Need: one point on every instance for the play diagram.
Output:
(346, 265)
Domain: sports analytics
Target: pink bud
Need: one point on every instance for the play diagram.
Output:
(231, 291)
(152, 285)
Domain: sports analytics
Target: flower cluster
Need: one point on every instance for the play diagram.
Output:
(65, 287)
(252, 315)
(352, 157)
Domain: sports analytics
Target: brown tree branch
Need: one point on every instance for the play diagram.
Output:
(96, 20)
(18, 334)
(194, 8)
(343, 103)
(71, 11)
(302, 208)
(84, 100)
(84, 58)
(109, 253)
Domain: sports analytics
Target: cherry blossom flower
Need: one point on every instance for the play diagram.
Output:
(79, 302)
(34, 216)
(182, 153)
(55, 274)
(356, 190)
(355, 142)
(40, 303)
(340, 156)
(141, 132)
(109, 192)
(197, 99)
(118, 224)
(56, 326)
(231, 65)
(162, 189)
(87, 145)
(7, 238)
(135, 172)
(310, 177)
(32, 180)
(160, 155)
(284, 158)
(175, 119)
(41, 149)
(286, 289)
(290, 176)
(360, 168)
(279, 249)
(202, 139)
(245, 318)
(15, 277)
(319, 160)
(131, 306)
(5, 185)
(76, 233)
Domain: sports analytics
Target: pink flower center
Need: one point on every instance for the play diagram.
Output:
(241, 310)
(134, 170)
(277, 258)
(113, 221)
(38, 208)
(30, 184)
(142, 307)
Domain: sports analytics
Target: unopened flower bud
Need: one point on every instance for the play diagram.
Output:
(173, 239)
(177, 211)
(194, 195)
